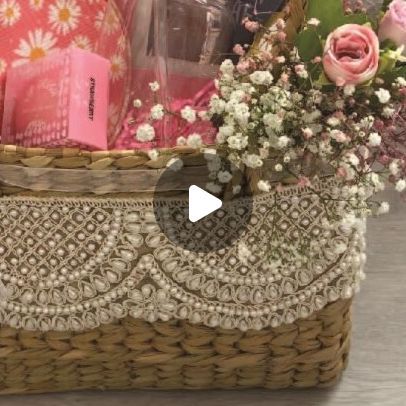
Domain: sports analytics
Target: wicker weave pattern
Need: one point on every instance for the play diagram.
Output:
(171, 355)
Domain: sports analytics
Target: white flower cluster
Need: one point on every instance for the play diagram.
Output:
(267, 114)
(145, 133)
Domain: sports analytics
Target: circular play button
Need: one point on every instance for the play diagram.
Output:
(196, 216)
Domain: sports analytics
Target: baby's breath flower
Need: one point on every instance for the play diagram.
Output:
(213, 188)
(273, 122)
(374, 140)
(401, 185)
(301, 71)
(375, 180)
(227, 67)
(383, 95)
(388, 112)
(137, 103)
(226, 131)
(307, 133)
(238, 95)
(157, 112)
(401, 81)
(153, 154)
(194, 141)
(188, 114)
(154, 86)
(224, 177)
(238, 142)
(283, 142)
(217, 105)
(352, 159)
(181, 141)
(383, 208)
(349, 90)
(145, 133)
(261, 78)
(333, 121)
(253, 161)
(264, 186)
(394, 168)
(313, 22)
(242, 114)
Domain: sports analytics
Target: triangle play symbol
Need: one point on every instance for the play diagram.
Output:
(201, 204)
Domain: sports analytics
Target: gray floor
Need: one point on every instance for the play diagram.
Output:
(377, 372)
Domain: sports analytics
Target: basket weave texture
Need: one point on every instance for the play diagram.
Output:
(134, 353)
(178, 355)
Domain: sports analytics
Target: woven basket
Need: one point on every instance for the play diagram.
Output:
(92, 296)
(174, 355)
(129, 349)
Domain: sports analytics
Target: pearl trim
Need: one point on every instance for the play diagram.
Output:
(74, 264)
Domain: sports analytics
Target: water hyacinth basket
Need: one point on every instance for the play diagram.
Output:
(94, 296)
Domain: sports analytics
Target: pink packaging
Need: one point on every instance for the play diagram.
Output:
(58, 101)
(180, 44)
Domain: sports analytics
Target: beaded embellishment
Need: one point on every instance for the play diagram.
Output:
(74, 264)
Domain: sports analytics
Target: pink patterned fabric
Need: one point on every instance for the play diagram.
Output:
(29, 29)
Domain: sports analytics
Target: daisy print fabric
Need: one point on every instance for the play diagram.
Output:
(30, 29)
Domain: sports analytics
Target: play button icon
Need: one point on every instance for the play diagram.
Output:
(201, 204)
(191, 217)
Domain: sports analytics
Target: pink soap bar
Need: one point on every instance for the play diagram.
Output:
(58, 101)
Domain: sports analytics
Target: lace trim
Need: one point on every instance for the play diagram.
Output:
(74, 264)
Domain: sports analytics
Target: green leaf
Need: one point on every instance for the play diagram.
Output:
(358, 18)
(309, 45)
(329, 12)
(331, 15)
(315, 70)
(389, 44)
(386, 64)
(388, 60)
(390, 76)
(323, 80)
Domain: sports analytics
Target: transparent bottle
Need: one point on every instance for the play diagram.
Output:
(178, 43)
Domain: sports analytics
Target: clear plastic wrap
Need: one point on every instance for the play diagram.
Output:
(178, 43)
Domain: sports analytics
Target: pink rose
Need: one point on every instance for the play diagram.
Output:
(393, 24)
(351, 55)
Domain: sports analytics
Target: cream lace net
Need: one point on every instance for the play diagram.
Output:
(73, 264)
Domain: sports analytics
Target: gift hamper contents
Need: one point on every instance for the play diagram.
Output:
(32, 29)
(104, 283)
(58, 101)
(178, 43)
